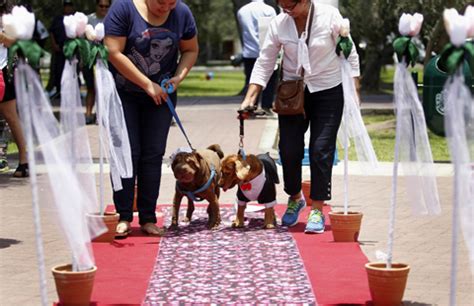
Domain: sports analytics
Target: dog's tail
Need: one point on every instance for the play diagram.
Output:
(216, 148)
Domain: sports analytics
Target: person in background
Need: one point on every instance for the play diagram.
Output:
(8, 99)
(137, 34)
(324, 100)
(101, 9)
(248, 17)
(58, 37)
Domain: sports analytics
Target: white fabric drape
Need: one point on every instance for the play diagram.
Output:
(415, 152)
(70, 199)
(112, 121)
(459, 126)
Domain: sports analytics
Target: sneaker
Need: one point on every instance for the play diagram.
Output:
(4, 166)
(290, 217)
(315, 223)
(90, 119)
(268, 111)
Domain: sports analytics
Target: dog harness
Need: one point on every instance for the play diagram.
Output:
(192, 194)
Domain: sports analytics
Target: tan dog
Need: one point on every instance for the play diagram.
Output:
(256, 177)
(197, 174)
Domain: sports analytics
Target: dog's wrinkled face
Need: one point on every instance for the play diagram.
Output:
(232, 172)
(185, 166)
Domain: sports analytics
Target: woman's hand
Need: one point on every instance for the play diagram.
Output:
(156, 93)
(247, 103)
(251, 97)
(175, 81)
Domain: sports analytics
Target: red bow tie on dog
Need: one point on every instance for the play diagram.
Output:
(246, 187)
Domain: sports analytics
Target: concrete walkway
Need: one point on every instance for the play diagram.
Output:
(423, 243)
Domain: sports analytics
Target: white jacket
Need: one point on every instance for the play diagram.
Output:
(325, 70)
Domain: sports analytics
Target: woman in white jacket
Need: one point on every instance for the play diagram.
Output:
(323, 99)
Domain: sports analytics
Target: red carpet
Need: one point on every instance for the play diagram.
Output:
(336, 270)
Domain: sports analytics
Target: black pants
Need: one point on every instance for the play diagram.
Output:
(148, 126)
(268, 94)
(324, 112)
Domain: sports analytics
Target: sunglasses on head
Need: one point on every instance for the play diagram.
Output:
(288, 9)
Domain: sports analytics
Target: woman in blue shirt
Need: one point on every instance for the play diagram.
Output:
(144, 38)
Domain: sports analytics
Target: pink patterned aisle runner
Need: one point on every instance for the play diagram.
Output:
(238, 266)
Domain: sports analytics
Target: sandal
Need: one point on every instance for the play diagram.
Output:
(22, 171)
(152, 230)
(123, 229)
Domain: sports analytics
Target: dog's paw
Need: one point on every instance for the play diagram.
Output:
(173, 226)
(269, 226)
(186, 220)
(238, 223)
(213, 224)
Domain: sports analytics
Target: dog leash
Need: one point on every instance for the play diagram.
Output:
(243, 114)
(168, 88)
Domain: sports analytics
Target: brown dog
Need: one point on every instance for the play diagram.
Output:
(197, 174)
(256, 177)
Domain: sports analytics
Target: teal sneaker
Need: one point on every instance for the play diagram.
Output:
(4, 166)
(315, 223)
(290, 218)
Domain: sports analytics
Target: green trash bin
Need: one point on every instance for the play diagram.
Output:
(433, 94)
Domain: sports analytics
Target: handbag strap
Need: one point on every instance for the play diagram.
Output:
(311, 14)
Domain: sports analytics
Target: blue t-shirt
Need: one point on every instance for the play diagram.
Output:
(153, 49)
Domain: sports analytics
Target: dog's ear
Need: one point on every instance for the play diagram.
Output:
(240, 170)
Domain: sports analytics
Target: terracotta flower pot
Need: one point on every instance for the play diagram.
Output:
(110, 220)
(387, 285)
(306, 189)
(345, 228)
(73, 288)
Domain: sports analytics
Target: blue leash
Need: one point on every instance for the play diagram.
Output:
(168, 88)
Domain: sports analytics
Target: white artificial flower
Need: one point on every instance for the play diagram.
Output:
(404, 24)
(90, 33)
(81, 21)
(20, 24)
(70, 25)
(469, 14)
(95, 34)
(410, 25)
(458, 29)
(100, 31)
(415, 24)
(345, 28)
(449, 15)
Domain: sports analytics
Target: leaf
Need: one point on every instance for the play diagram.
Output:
(400, 46)
(28, 49)
(344, 44)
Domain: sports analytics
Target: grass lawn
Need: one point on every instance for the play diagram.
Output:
(224, 83)
(383, 140)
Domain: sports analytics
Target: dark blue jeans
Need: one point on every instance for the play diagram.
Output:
(324, 112)
(148, 126)
(268, 94)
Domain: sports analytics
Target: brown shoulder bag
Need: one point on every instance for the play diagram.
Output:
(289, 98)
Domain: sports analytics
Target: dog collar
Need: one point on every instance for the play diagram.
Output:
(192, 194)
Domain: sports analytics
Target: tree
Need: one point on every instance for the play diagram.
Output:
(375, 24)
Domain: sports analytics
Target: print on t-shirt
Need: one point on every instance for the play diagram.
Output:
(152, 53)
